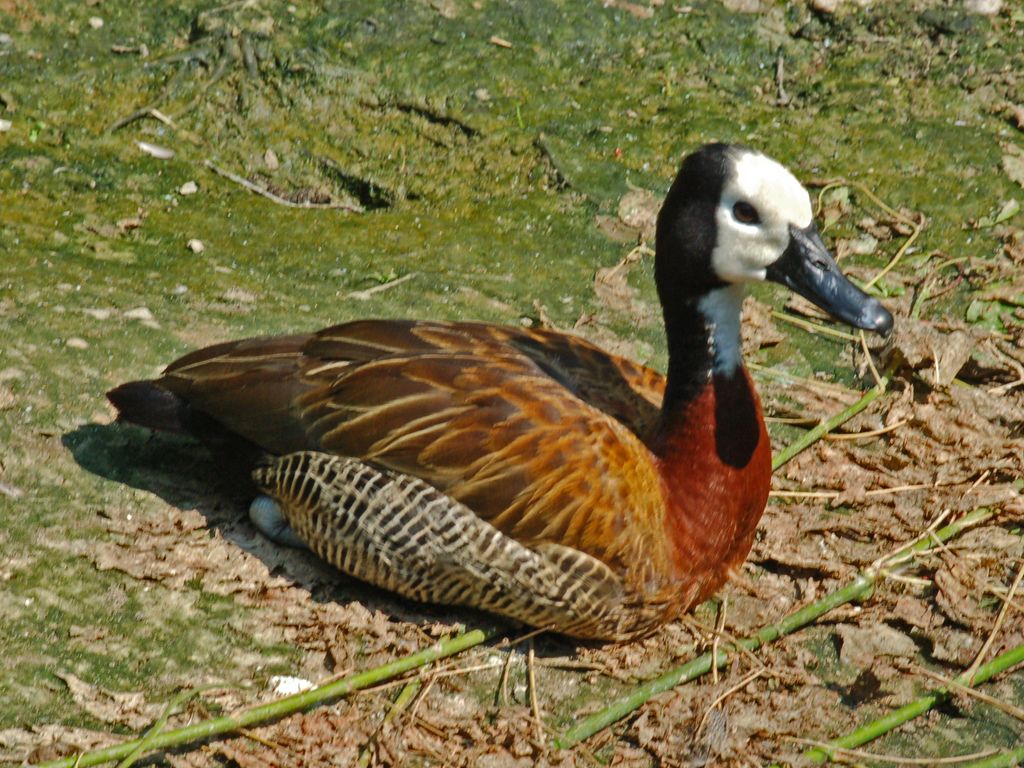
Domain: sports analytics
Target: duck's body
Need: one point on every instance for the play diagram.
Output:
(524, 472)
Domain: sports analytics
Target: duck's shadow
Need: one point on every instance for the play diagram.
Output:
(182, 473)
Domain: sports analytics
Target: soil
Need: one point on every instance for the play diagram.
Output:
(499, 162)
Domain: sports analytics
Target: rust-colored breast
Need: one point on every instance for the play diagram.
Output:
(715, 462)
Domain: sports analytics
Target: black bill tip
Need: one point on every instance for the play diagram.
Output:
(875, 317)
(808, 268)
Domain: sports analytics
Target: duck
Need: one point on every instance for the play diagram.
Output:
(521, 471)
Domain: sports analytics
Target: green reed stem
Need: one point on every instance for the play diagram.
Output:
(813, 435)
(860, 588)
(276, 709)
(919, 706)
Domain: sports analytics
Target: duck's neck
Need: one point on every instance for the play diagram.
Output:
(712, 447)
(703, 344)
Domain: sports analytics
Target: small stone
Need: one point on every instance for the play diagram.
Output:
(77, 343)
(139, 313)
(984, 7)
(482, 94)
(155, 150)
(5, 39)
(96, 22)
(270, 160)
(743, 6)
(196, 246)
(825, 6)
(286, 685)
(5, 125)
(188, 188)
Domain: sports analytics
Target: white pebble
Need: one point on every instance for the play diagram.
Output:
(984, 7)
(139, 313)
(285, 685)
(76, 342)
(155, 150)
(188, 188)
(196, 246)
(96, 22)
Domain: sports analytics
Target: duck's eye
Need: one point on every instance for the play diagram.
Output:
(745, 213)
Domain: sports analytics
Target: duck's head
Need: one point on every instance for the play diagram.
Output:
(735, 216)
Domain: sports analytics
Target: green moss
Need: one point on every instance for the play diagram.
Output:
(445, 125)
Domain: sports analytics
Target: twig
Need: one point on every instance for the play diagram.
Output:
(253, 736)
(156, 729)
(1007, 759)
(916, 226)
(868, 433)
(274, 710)
(717, 636)
(813, 435)
(871, 363)
(634, 256)
(364, 295)
(402, 700)
(503, 691)
(1010, 361)
(996, 627)
(858, 589)
(837, 494)
(1012, 711)
(812, 327)
(128, 119)
(842, 752)
(421, 697)
(775, 373)
(264, 192)
(833, 183)
(741, 684)
(750, 655)
(534, 706)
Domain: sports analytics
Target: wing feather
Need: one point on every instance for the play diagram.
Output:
(539, 433)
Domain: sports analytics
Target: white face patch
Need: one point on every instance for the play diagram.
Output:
(744, 250)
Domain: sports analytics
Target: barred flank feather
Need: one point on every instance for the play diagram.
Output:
(402, 534)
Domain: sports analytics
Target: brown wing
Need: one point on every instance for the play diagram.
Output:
(536, 432)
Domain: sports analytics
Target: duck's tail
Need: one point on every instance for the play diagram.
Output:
(149, 405)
